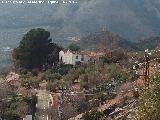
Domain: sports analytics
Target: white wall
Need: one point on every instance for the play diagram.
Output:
(61, 55)
(70, 58)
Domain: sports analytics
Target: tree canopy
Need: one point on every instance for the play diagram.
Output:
(74, 47)
(35, 49)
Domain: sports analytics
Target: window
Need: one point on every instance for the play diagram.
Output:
(82, 59)
(77, 57)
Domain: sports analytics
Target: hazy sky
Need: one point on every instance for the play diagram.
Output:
(133, 19)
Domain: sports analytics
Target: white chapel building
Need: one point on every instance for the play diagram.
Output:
(72, 57)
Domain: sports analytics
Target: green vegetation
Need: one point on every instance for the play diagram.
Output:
(100, 79)
(29, 81)
(35, 49)
(149, 107)
(16, 107)
(94, 115)
(55, 76)
(115, 56)
(13, 106)
(56, 85)
(61, 69)
(103, 76)
(74, 47)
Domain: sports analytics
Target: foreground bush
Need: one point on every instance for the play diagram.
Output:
(149, 102)
(93, 115)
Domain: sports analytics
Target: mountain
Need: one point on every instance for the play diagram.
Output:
(149, 43)
(105, 39)
(132, 19)
(110, 40)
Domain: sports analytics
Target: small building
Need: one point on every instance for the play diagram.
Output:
(28, 117)
(73, 57)
(78, 57)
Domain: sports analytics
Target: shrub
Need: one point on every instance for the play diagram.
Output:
(53, 76)
(93, 115)
(149, 102)
(51, 86)
(28, 80)
(74, 47)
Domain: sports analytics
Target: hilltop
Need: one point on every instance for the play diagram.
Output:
(105, 39)
(148, 43)
(110, 40)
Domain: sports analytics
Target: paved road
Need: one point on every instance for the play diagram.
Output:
(42, 105)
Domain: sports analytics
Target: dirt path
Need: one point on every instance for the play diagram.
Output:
(42, 105)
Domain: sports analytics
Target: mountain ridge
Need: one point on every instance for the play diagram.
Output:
(131, 19)
(110, 40)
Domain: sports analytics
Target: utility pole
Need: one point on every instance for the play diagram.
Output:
(146, 68)
(146, 72)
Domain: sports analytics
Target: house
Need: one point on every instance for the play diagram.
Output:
(76, 57)
(28, 117)
(73, 57)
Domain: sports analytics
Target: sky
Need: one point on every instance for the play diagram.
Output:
(132, 19)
